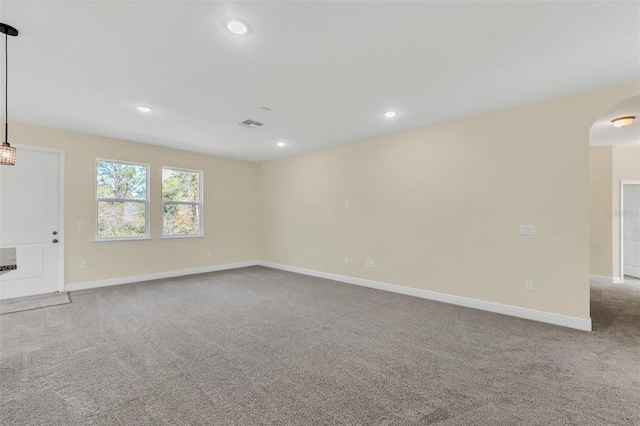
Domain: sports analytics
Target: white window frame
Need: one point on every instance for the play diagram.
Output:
(146, 201)
(200, 233)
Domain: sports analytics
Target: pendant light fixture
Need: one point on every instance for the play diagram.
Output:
(7, 152)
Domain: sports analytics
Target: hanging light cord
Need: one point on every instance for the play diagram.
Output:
(6, 88)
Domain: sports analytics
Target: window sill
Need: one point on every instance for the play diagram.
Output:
(121, 240)
(180, 237)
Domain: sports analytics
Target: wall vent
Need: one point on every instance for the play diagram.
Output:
(252, 124)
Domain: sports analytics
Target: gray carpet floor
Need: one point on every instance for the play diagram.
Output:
(257, 346)
(9, 306)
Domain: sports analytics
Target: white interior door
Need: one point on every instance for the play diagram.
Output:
(631, 230)
(29, 201)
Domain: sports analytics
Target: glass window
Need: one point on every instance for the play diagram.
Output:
(181, 202)
(121, 200)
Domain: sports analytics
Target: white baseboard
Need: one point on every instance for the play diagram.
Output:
(156, 276)
(632, 271)
(605, 279)
(530, 314)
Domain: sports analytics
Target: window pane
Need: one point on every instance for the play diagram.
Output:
(125, 181)
(121, 219)
(178, 185)
(181, 219)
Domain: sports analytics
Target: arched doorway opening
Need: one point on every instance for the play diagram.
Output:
(614, 203)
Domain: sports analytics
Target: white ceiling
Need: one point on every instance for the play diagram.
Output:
(328, 70)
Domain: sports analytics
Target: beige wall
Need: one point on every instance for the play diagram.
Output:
(600, 203)
(230, 208)
(438, 208)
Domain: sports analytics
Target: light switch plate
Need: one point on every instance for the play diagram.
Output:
(527, 230)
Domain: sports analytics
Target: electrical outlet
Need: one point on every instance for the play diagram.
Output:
(82, 225)
(346, 260)
(528, 284)
(346, 205)
(209, 253)
(83, 265)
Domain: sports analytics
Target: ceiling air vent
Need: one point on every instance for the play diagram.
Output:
(252, 124)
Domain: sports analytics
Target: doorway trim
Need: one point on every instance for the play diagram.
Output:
(61, 198)
(623, 182)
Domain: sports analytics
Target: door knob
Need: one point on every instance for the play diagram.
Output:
(55, 232)
(54, 240)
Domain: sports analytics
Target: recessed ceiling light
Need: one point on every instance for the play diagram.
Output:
(281, 144)
(390, 114)
(237, 27)
(144, 109)
(623, 121)
(265, 109)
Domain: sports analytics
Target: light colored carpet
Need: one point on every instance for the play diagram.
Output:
(257, 346)
(19, 304)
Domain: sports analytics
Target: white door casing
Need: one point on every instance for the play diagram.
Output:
(31, 203)
(630, 215)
